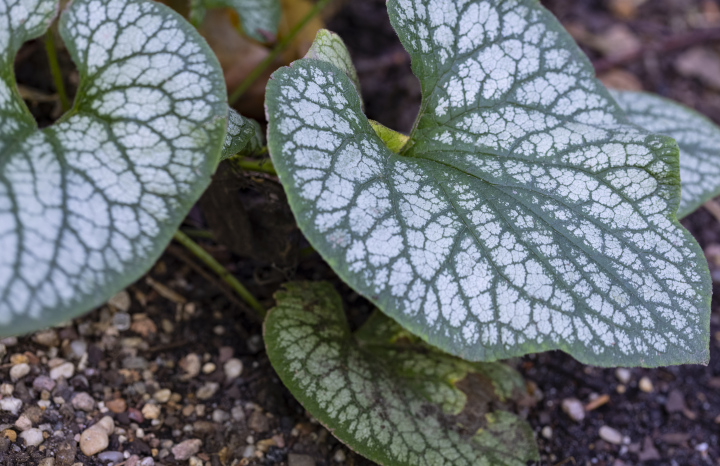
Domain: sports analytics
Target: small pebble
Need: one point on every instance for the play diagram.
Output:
(147, 461)
(162, 396)
(121, 301)
(19, 371)
(93, 440)
(47, 338)
(7, 389)
(84, 402)
(646, 385)
(547, 432)
(50, 461)
(623, 375)
(611, 435)
(207, 391)
(238, 413)
(107, 424)
(151, 411)
(702, 447)
(184, 450)
(78, 348)
(249, 451)
(9, 434)
(233, 368)
(33, 437)
(114, 456)
(23, 423)
(339, 456)
(117, 405)
(220, 416)
(43, 382)
(64, 371)
(209, 368)
(573, 408)
(195, 461)
(121, 321)
(11, 405)
(191, 365)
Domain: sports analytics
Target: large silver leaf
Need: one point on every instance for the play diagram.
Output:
(524, 214)
(87, 205)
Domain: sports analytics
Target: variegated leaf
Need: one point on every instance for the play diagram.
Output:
(524, 214)
(389, 396)
(244, 136)
(697, 136)
(88, 204)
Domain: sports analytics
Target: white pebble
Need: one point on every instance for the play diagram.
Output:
(64, 371)
(11, 405)
(611, 435)
(32, 437)
(233, 368)
(19, 371)
(574, 409)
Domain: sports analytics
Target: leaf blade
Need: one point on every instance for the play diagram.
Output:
(697, 136)
(110, 183)
(481, 237)
(259, 18)
(395, 401)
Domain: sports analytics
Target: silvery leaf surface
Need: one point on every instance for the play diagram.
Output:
(258, 18)
(697, 136)
(244, 136)
(389, 396)
(524, 214)
(88, 204)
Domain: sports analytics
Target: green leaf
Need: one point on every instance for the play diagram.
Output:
(524, 214)
(330, 48)
(258, 18)
(697, 136)
(88, 204)
(244, 136)
(389, 396)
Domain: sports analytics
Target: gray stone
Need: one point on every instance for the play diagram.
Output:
(114, 456)
(184, 450)
(84, 402)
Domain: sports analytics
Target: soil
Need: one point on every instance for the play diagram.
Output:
(179, 315)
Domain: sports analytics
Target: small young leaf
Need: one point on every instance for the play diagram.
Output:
(259, 18)
(330, 48)
(524, 214)
(244, 136)
(389, 396)
(88, 204)
(697, 136)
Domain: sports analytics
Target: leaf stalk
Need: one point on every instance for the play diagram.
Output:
(222, 272)
(55, 70)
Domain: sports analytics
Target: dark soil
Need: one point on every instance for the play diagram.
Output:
(180, 310)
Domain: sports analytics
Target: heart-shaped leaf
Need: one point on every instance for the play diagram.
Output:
(258, 18)
(389, 396)
(697, 136)
(524, 214)
(88, 204)
(244, 136)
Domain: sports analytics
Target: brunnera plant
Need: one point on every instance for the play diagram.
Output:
(88, 204)
(524, 213)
